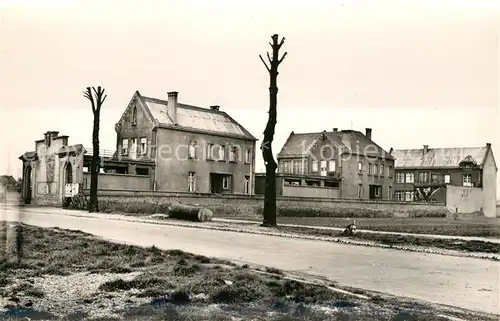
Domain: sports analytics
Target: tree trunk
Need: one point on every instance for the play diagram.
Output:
(94, 166)
(93, 205)
(190, 212)
(269, 212)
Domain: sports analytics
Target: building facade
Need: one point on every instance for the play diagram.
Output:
(337, 164)
(49, 168)
(426, 175)
(193, 149)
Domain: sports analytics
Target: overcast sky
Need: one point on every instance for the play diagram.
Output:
(417, 72)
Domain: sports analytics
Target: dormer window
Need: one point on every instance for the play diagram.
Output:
(134, 116)
(468, 162)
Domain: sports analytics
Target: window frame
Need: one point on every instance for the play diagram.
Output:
(134, 116)
(125, 150)
(412, 196)
(222, 153)
(193, 149)
(247, 185)
(315, 166)
(225, 182)
(248, 155)
(210, 151)
(330, 163)
(145, 150)
(467, 182)
(233, 154)
(192, 181)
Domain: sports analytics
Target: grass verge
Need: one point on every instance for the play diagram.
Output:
(482, 227)
(403, 240)
(80, 277)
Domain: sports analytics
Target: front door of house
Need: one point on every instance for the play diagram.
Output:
(216, 183)
(375, 192)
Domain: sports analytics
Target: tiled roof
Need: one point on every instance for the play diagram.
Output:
(345, 141)
(197, 118)
(438, 157)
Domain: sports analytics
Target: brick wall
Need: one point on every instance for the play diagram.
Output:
(119, 181)
(251, 206)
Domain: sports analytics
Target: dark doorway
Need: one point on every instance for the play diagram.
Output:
(27, 185)
(68, 180)
(69, 173)
(142, 171)
(219, 183)
(375, 192)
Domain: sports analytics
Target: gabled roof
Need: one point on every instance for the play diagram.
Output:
(29, 156)
(439, 157)
(345, 141)
(194, 118)
(7, 180)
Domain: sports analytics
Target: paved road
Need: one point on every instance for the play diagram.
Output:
(463, 282)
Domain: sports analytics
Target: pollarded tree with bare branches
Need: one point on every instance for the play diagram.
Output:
(266, 146)
(96, 101)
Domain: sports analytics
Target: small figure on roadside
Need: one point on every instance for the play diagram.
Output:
(350, 229)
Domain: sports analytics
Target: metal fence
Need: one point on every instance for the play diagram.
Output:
(102, 152)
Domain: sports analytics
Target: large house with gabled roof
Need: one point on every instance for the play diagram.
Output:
(427, 174)
(335, 164)
(194, 149)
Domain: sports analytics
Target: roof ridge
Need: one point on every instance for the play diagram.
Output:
(179, 104)
(155, 99)
(470, 147)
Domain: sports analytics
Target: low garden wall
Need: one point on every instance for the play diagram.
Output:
(148, 202)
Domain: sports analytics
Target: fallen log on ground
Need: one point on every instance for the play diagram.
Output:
(190, 212)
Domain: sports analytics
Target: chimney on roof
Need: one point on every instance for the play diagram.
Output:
(488, 145)
(53, 134)
(172, 105)
(368, 133)
(215, 107)
(335, 129)
(390, 151)
(426, 149)
(49, 136)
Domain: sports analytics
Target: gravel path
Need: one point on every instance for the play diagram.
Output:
(78, 294)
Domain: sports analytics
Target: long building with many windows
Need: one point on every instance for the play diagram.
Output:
(425, 174)
(336, 164)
